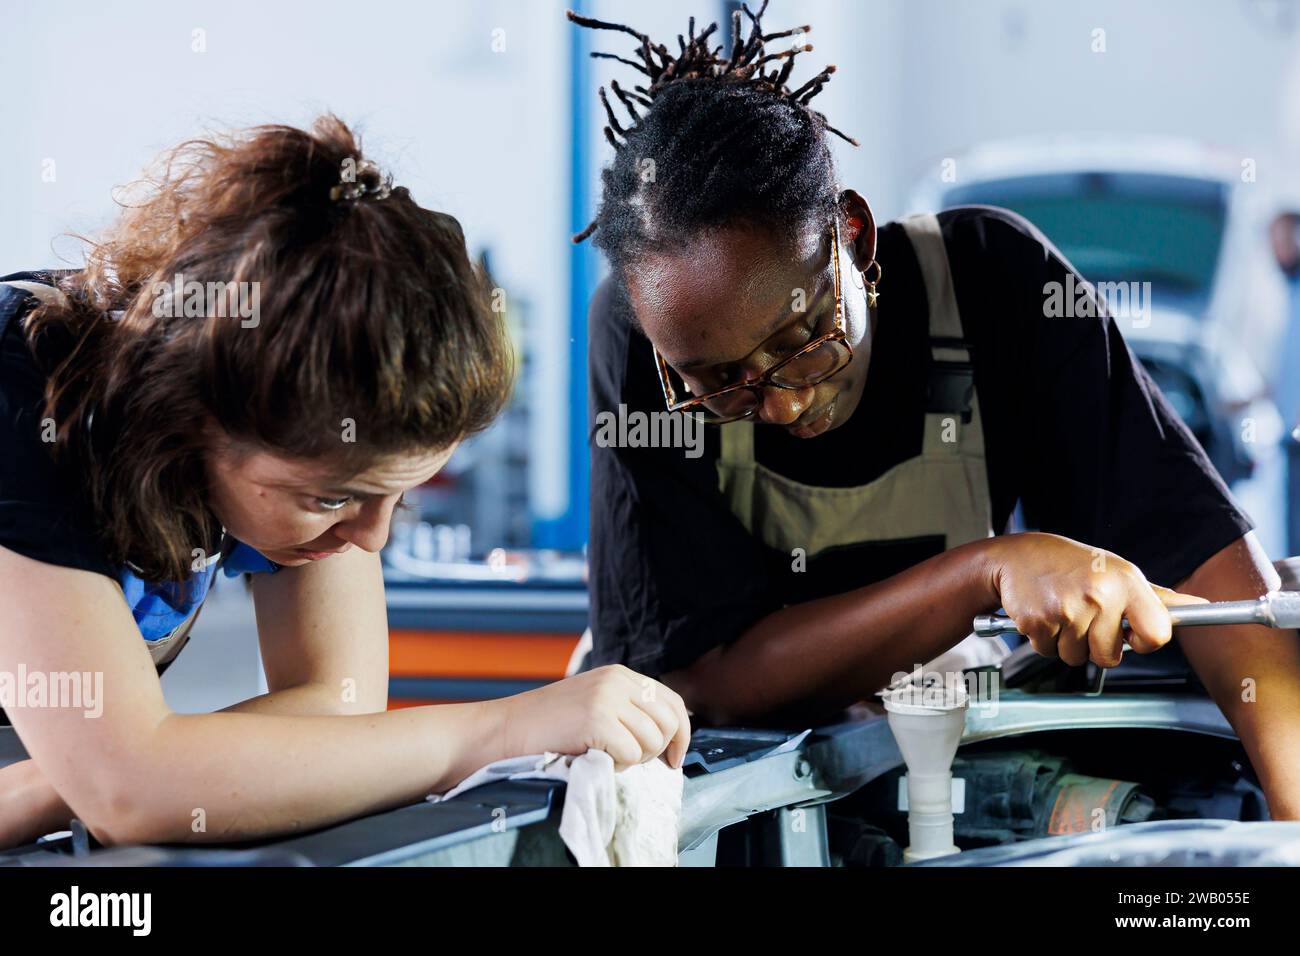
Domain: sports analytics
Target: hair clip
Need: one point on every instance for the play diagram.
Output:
(360, 179)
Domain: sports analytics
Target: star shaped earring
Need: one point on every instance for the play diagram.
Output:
(870, 284)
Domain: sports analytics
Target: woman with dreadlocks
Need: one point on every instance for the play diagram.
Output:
(881, 398)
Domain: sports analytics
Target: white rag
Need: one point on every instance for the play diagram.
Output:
(609, 819)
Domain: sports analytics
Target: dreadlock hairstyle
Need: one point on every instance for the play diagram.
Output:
(723, 140)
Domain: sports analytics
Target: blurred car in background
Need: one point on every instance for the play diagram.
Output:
(1181, 217)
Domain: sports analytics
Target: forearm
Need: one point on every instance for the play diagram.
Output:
(810, 659)
(29, 806)
(1253, 673)
(232, 776)
(1254, 677)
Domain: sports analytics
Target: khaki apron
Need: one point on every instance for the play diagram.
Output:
(942, 491)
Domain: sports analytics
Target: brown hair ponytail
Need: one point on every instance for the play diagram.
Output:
(368, 311)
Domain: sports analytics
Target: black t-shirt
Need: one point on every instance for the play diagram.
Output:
(1075, 432)
(43, 513)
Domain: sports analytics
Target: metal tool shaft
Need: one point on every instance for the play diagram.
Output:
(1258, 611)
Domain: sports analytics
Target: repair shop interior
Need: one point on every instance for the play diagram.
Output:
(667, 433)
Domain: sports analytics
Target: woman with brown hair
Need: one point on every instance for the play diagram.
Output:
(252, 367)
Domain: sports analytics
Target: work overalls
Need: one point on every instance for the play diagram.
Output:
(942, 492)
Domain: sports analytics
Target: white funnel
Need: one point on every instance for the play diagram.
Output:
(928, 723)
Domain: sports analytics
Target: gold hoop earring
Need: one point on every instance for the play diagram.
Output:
(870, 284)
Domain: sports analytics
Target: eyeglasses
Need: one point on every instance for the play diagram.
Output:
(817, 361)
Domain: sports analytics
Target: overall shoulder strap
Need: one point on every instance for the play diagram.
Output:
(945, 322)
(737, 443)
(951, 387)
